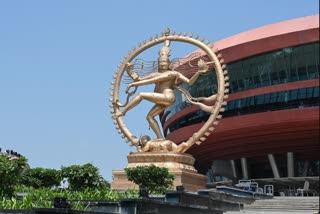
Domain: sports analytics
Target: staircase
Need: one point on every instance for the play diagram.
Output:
(310, 204)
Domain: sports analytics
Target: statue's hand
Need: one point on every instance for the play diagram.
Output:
(135, 76)
(131, 73)
(129, 66)
(129, 86)
(203, 67)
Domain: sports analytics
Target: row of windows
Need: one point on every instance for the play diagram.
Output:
(282, 66)
(277, 67)
(276, 97)
(298, 98)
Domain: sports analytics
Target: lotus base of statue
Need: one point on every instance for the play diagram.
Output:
(179, 164)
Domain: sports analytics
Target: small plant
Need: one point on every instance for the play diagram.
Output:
(151, 178)
(44, 197)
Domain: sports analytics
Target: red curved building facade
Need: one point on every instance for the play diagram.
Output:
(270, 128)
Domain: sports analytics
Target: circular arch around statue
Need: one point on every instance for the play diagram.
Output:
(167, 78)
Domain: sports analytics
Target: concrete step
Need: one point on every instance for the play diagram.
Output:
(285, 203)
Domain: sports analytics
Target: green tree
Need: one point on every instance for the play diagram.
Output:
(10, 170)
(41, 177)
(151, 178)
(82, 177)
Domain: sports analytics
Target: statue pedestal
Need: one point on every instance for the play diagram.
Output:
(179, 164)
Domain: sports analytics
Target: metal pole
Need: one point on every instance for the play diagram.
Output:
(244, 168)
(234, 170)
(290, 164)
(273, 166)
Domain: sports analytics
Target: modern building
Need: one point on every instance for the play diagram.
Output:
(270, 128)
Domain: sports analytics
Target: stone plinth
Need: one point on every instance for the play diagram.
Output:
(179, 164)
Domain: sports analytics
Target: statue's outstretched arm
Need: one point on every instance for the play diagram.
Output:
(203, 68)
(151, 80)
(193, 100)
(152, 75)
(134, 75)
(205, 99)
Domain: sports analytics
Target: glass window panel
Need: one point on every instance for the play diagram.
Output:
(256, 80)
(265, 80)
(240, 84)
(293, 95)
(292, 66)
(247, 83)
(267, 98)
(255, 98)
(274, 78)
(251, 73)
(310, 92)
(246, 64)
(238, 104)
(248, 101)
(235, 69)
(293, 75)
(252, 101)
(260, 99)
(287, 56)
(302, 72)
(280, 96)
(316, 92)
(283, 76)
(264, 71)
(300, 59)
(286, 96)
(277, 65)
(234, 86)
(312, 72)
(231, 105)
(273, 97)
(302, 93)
(310, 61)
(281, 67)
(246, 74)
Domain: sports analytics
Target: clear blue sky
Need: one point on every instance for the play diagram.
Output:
(57, 59)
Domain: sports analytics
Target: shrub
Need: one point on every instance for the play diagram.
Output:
(10, 170)
(151, 178)
(82, 177)
(41, 177)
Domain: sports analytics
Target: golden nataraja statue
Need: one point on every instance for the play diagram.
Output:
(167, 78)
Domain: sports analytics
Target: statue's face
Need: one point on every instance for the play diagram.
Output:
(163, 65)
(163, 60)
